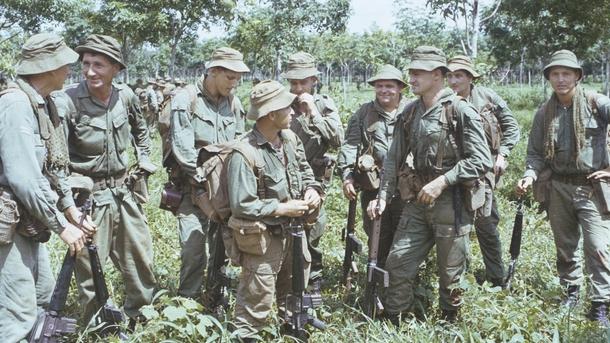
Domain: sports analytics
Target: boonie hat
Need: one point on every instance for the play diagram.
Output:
(428, 58)
(105, 45)
(228, 58)
(268, 96)
(301, 65)
(563, 58)
(461, 62)
(387, 72)
(44, 52)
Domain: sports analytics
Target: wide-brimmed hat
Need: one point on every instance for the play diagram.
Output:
(428, 58)
(228, 58)
(268, 96)
(387, 72)
(105, 45)
(461, 62)
(44, 52)
(301, 65)
(563, 58)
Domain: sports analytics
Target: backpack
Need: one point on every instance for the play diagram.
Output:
(491, 127)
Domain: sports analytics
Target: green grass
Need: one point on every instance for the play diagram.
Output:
(529, 313)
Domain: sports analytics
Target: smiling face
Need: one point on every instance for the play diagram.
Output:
(563, 80)
(99, 70)
(460, 81)
(387, 92)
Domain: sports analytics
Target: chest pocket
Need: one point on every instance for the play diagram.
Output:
(121, 130)
(40, 148)
(90, 134)
(276, 185)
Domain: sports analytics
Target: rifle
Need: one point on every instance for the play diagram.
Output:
(217, 281)
(50, 326)
(515, 243)
(352, 243)
(299, 304)
(376, 276)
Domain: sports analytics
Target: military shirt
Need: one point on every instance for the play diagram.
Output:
(371, 128)
(285, 177)
(99, 135)
(422, 140)
(195, 124)
(23, 155)
(319, 133)
(481, 96)
(153, 101)
(593, 155)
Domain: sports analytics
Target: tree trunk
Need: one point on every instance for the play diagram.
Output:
(476, 23)
(607, 74)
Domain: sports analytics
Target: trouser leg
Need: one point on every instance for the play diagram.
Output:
(193, 229)
(313, 240)
(490, 244)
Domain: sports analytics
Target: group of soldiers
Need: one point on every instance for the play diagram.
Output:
(434, 164)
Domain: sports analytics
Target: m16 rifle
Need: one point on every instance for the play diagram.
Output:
(352, 243)
(299, 305)
(217, 281)
(515, 243)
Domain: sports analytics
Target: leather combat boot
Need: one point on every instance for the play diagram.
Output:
(450, 316)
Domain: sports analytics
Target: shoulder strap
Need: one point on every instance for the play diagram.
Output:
(449, 130)
(255, 162)
(592, 101)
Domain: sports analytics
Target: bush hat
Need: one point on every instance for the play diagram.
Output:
(104, 45)
(268, 96)
(44, 52)
(428, 58)
(387, 72)
(461, 62)
(563, 58)
(228, 58)
(301, 65)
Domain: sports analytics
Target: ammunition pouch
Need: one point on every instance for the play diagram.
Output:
(409, 183)
(602, 190)
(171, 197)
(492, 128)
(542, 187)
(250, 236)
(366, 173)
(33, 229)
(9, 216)
(324, 167)
(474, 194)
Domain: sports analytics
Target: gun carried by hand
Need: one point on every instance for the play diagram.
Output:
(515, 243)
(217, 280)
(352, 243)
(299, 305)
(50, 326)
(376, 276)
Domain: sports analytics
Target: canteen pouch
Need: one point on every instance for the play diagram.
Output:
(231, 249)
(171, 197)
(474, 194)
(251, 236)
(542, 187)
(9, 217)
(602, 190)
(367, 173)
(409, 184)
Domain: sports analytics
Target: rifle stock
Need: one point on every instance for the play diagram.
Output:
(352, 246)
(515, 243)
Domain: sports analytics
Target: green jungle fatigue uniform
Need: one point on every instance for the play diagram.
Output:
(486, 225)
(152, 108)
(193, 126)
(372, 128)
(573, 207)
(422, 226)
(286, 176)
(318, 134)
(98, 138)
(26, 280)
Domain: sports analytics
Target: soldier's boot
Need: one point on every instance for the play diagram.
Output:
(572, 296)
(450, 316)
(393, 318)
(599, 313)
(498, 283)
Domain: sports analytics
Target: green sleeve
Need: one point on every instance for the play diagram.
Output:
(349, 149)
(328, 123)
(510, 128)
(182, 134)
(535, 162)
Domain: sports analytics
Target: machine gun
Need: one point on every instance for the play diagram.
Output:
(299, 305)
(352, 243)
(217, 280)
(515, 243)
(50, 326)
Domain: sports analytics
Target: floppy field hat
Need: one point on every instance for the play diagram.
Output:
(228, 58)
(562, 58)
(44, 52)
(387, 72)
(268, 96)
(105, 45)
(461, 62)
(301, 65)
(428, 58)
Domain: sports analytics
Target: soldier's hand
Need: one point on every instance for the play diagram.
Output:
(307, 104)
(523, 185)
(312, 198)
(349, 191)
(74, 237)
(600, 174)
(500, 165)
(428, 194)
(74, 216)
(372, 210)
(292, 208)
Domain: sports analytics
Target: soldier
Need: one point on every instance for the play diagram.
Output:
(318, 125)
(102, 119)
(207, 113)
(568, 137)
(502, 132)
(287, 177)
(445, 137)
(371, 128)
(33, 151)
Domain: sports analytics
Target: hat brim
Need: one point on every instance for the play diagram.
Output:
(283, 100)
(300, 74)
(233, 65)
(455, 67)
(43, 64)
(570, 65)
(426, 65)
(372, 80)
(81, 49)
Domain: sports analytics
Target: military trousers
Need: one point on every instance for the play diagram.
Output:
(576, 221)
(264, 278)
(313, 241)
(421, 228)
(489, 242)
(123, 235)
(389, 222)
(26, 286)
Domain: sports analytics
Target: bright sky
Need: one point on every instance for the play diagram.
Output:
(381, 13)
